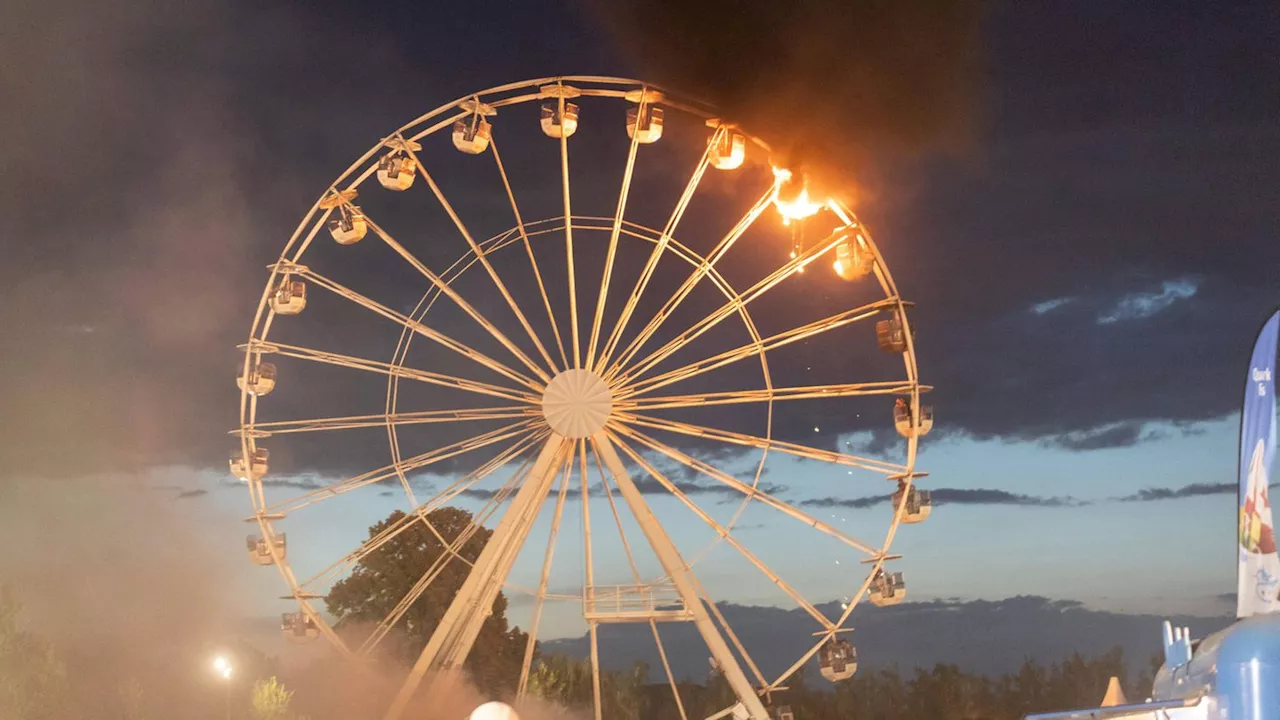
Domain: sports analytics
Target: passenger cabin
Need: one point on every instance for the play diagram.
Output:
(838, 660)
(556, 126)
(290, 297)
(852, 262)
(890, 335)
(260, 550)
(472, 135)
(907, 427)
(256, 468)
(729, 151)
(887, 589)
(647, 128)
(919, 504)
(259, 379)
(349, 227)
(298, 627)
(396, 171)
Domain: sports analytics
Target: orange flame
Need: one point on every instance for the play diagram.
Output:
(797, 208)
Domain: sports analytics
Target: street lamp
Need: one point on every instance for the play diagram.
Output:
(222, 666)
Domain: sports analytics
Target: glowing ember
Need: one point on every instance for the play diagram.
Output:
(792, 205)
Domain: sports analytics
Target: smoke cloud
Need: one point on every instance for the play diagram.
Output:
(828, 84)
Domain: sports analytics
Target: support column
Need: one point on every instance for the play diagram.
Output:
(453, 637)
(681, 576)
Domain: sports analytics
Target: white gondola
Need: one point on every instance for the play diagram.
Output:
(552, 123)
(298, 627)
(349, 227)
(728, 151)
(260, 379)
(852, 262)
(556, 126)
(346, 224)
(396, 171)
(256, 468)
(472, 134)
(838, 660)
(919, 504)
(887, 589)
(290, 297)
(903, 421)
(783, 712)
(260, 550)
(891, 337)
(645, 129)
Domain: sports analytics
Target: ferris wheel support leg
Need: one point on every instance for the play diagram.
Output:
(452, 640)
(681, 576)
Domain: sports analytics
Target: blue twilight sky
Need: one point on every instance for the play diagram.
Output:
(1170, 555)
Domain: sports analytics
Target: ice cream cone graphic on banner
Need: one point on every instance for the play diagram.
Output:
(1257, 532)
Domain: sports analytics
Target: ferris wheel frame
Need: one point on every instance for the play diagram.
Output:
(606, 356)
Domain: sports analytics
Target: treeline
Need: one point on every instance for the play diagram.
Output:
(944, 692)
(35, 684)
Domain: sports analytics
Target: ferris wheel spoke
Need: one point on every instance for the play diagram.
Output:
(388, 472)
(458, 300)
(416, 326)
(724, 311)
(282, 427)
(744, 488)
(382, 368)
(541, 596)
(568, 239)
(732, 397)
(635, 574)
(481, 256)
(844, 617)
(528, 248)
(723, 532)
(655, 254)
(589, 588)
(736, 438)
(420, 511)
(702, 267)
(753, 349)
(442, 561)
(614, 232)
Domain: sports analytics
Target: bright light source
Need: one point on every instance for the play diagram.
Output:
(222, 666)
(494, 711)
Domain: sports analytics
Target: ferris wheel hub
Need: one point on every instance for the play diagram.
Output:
(577, 403)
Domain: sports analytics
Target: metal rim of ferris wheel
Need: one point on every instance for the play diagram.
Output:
(590, 394)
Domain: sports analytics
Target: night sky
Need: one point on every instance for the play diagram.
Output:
(1082, 199)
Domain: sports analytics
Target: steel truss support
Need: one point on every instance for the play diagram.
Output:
(452, 640)
(681, 576)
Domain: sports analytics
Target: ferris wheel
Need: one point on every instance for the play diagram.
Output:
(586, 358)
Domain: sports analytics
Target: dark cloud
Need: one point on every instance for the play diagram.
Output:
(650, 486)
(1092, 270)
(200, 492)
(955, 496)
(827, 83)
(1119, 435)
(1186, 491)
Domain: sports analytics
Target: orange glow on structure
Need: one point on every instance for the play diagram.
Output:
(792, 205)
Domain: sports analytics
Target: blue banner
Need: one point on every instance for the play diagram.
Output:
(1259, 569)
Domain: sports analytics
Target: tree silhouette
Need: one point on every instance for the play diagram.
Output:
(386, 575)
